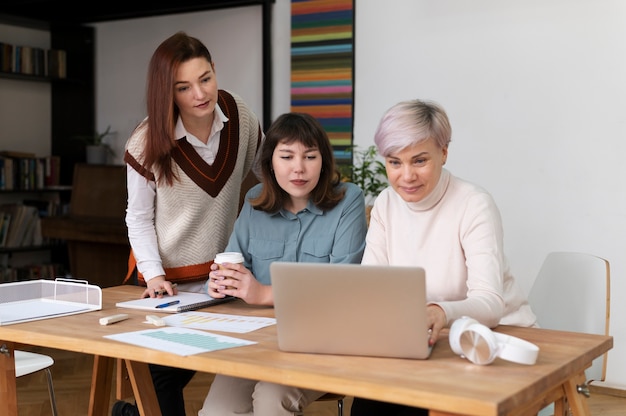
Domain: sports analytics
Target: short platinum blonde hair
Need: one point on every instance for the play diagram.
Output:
(411, 122)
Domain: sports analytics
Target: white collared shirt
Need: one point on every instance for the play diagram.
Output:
(142, 194)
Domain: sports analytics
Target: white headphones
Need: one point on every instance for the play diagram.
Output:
(480, 345)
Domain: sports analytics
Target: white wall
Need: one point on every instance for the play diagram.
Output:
(534, 89)
(536, 93)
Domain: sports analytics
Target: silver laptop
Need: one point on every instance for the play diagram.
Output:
(350, 309)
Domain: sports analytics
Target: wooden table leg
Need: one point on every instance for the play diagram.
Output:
(560, 407)
(101, 381)
(8, 389)
(123, 389)
(143, 387)
(577, 402)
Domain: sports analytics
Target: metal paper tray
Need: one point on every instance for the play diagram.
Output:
(42, 299)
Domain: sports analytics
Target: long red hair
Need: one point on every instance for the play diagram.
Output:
(162, 111)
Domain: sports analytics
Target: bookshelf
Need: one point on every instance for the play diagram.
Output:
(71, 112)
(72, 87)
(24, 253)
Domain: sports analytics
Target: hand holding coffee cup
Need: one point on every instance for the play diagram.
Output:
(228, 257)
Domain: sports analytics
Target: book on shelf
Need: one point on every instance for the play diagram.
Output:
(7, 57)
(57, 63)
(12, 213)
(48, 205)
(25, 171)
(40, 62)
(22, 225)
(6, 172)
(5, 220)
(32, 225)
(52, 171)
(16, 59)
(31, 60)
(27, 61)
(20, 222)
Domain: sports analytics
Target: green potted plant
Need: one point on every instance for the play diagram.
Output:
(368, 172)
(97, 150)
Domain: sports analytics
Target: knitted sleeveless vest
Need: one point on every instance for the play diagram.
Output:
(195, 216)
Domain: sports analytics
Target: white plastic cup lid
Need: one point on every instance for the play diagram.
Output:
(228, 257)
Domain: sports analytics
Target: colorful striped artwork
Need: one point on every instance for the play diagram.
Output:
(322, 67)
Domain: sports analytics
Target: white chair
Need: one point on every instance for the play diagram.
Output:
(30, 362)
(572, 293)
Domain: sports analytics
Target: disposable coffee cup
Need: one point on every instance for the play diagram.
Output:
(228, 257)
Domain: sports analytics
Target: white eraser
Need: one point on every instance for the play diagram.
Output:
(155, 320)
(108, 320)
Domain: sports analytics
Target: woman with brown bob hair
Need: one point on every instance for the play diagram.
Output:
(300, 212)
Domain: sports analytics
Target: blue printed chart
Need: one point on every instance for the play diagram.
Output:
(181, 341)
(218, 321)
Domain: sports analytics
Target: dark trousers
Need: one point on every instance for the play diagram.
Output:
(169, 383)
(366, 407)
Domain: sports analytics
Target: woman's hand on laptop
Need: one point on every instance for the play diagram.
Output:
(436, 322)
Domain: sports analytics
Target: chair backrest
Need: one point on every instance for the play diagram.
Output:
(572, 293)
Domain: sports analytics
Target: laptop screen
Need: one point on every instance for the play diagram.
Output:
(351, 309)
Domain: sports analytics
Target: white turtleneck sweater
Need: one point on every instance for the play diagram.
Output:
(456, 235)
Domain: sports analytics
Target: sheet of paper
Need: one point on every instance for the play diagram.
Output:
(218, 322)
(181, 341)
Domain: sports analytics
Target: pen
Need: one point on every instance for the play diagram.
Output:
(162, 292)
(165, 305)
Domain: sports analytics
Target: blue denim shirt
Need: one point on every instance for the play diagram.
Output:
(311, 235)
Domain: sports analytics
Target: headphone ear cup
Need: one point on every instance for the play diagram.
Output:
(479, 344)
(456, 330)
(473, 341)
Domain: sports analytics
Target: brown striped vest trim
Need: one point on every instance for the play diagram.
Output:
(212, 178)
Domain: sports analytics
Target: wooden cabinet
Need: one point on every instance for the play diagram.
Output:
(94, 229)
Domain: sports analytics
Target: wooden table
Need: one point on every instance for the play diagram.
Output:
(445, 383)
